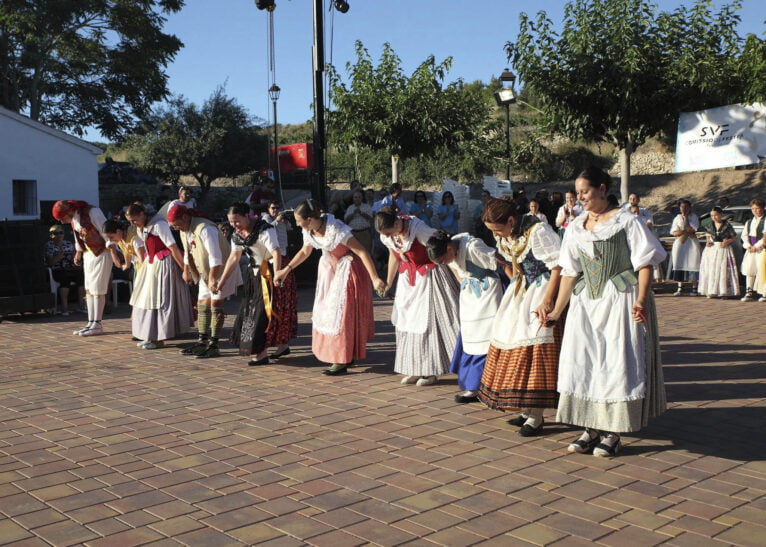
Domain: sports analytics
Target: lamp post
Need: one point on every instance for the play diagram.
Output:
(274, 96)
(505, 97)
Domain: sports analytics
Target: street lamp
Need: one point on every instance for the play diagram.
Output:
(274, 96)
(505, 97)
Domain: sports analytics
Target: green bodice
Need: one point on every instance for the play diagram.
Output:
(610, 262)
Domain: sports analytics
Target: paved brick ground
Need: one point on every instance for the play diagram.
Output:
(105, 444)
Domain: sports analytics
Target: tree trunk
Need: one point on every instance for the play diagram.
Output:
(625, 154)
(394, 168)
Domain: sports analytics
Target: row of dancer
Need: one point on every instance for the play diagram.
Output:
(161, 301)
(513, 347)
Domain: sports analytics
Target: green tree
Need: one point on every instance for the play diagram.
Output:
(621, 70)
(78, 63)
(219, 139)
(408, 116)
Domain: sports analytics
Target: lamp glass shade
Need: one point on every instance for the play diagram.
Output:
(504, 97)
(274, 92)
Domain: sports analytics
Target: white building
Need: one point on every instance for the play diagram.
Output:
(39, 165)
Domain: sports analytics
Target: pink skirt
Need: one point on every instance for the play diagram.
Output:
(357, 321)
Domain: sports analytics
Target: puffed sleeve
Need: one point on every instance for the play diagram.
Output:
(569, 258)
(481, 254)
(162, 230)
(645, 248)
(677, 224)
(420, 230)
(343, 233)
(546, 244)
(269, 239)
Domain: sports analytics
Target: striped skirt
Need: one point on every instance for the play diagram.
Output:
(523, 377)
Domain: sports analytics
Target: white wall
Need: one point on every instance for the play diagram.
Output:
(63, 166)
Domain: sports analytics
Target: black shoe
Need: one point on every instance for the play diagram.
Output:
(279, 354)
(255, 363)
(529, 431)
(195, 349)
(518, 421)
(337, 372)
(211, 351)
(462, 399)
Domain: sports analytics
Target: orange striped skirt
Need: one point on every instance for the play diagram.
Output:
(523, 377)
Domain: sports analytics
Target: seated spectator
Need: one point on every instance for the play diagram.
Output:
(262, 194)
(448, 214)
(59, 256)
(394, 199)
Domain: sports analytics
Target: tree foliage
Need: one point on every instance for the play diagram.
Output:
(219, 139)
(620, 71)
(410, 116)
(78, 63)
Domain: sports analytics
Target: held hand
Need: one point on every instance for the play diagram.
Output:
(215, 286)
(280, 275)
(545, 307)
(78, 258)
(550, 319)
(380, 286)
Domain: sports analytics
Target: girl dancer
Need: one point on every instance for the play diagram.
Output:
(522, 363)
(474, 264)
(342, 317)
(425, 303)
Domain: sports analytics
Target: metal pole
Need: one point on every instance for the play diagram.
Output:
(318, 188)
(277, 170)
(508, 141)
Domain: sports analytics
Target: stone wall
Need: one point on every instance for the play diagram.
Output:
(647, 163)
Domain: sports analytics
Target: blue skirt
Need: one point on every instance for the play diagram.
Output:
(468, 368)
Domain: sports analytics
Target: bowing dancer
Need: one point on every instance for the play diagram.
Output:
(205, 251)
(523, 358)
(342, 318)
(473, 263)
(285, 300)
(257, 239)
(426, 300)
(162, 306)
(610, 374)
(91, 252)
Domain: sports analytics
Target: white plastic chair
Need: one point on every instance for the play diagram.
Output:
(115, 283)
(55, 291)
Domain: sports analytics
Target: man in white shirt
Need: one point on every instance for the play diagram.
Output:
(643, 212)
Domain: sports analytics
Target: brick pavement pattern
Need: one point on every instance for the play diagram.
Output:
(102, 443)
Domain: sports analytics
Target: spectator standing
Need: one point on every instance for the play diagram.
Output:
(421, 209)
(448, 214)
(753, 244)
(359, 219)
(567, 212)
(686, 253)
(261, 195)
(642, 212)
(719, 276)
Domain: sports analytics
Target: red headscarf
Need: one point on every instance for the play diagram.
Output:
(176, 212)
(68, 207)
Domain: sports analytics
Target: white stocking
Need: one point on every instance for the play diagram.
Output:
(98, 306)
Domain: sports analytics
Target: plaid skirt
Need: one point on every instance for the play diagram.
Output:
(523, 377)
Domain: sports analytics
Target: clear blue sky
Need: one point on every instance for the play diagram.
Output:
(226, 40)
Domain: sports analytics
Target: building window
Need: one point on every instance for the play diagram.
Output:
(25, 197)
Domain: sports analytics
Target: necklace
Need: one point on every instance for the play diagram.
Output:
(595, 217)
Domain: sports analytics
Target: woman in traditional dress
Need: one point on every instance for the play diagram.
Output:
(425, 303)
(286, 293)
(342, 319)
(257, 239)
(522, 363)
(686, 252)
(754, 259)
(474, 264)
(610, 374)
(719, 276)
(162, 307)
